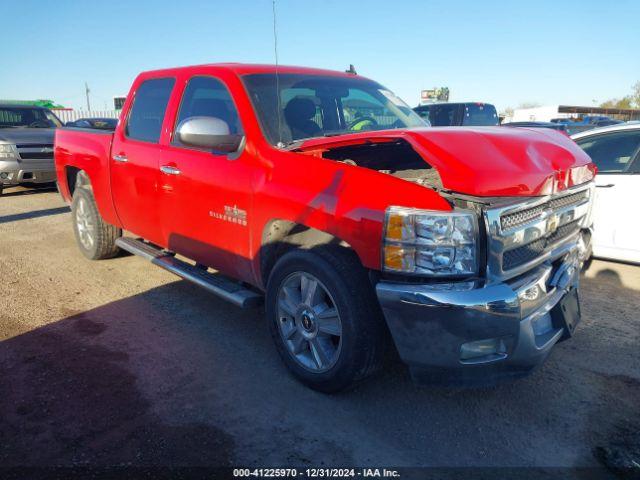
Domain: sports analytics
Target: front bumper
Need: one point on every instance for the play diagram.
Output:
(15, 172)
(527, 316)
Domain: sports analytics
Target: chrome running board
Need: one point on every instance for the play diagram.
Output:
(215, 283)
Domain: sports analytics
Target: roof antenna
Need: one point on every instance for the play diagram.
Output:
(278, 105)
(352, 70)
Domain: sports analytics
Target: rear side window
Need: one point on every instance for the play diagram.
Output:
(445, 115)
(208, 97)
(612, 152)
(147, 112)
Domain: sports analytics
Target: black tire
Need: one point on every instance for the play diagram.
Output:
(104, 234)
(364, 337)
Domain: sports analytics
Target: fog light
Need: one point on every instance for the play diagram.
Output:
(542, 325)
(4, 175)
(483, 348)
(530, 294)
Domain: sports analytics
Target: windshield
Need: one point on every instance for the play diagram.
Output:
(11, 117)
(480, 114)
(306, 106)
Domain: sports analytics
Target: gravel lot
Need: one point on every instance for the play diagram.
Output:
(118, 362)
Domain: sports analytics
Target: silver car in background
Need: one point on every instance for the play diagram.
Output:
(26, 145)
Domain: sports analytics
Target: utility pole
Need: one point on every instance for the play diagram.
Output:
(86, 91)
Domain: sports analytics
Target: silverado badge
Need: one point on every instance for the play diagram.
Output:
(232, 215)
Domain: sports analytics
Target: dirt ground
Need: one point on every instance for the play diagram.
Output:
(120, 363)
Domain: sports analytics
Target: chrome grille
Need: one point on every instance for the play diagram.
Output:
(524, 235)
(522, 217)
(524, 254)
(567, 200)
(42, 151)
(563, 232)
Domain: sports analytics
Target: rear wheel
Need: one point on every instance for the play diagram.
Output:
(96, 238)
(325, 319)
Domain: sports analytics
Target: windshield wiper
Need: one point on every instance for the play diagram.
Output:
(297, 141)
(335, 134)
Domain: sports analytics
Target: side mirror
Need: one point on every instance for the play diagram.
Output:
(208, 132)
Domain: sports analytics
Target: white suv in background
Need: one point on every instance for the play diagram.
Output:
(616, 211)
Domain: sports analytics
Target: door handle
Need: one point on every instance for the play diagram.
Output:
(606, 186)
(169, 170)
(120, 158)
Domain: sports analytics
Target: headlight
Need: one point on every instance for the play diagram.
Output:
(8, 150)
(424, 242)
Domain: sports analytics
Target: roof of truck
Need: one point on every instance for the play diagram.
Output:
(251, 68)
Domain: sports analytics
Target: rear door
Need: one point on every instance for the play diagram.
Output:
(616, 223)
(135, 157)
(206, 196)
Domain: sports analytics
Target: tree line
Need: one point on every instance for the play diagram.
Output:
(628, 101)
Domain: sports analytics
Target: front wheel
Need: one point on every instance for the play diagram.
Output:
(325, 319)
(96, 238)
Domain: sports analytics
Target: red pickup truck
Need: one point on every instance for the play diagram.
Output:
(326, 195)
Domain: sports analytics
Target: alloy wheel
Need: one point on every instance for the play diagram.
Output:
(84, 223)
(309, 322)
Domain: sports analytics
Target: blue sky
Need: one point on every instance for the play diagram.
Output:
(507, 52)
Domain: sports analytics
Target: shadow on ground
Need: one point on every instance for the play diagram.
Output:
(66, 399)
(33, 214)
(20, 191)
(176, 377)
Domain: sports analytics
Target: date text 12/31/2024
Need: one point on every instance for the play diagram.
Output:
(316, 473)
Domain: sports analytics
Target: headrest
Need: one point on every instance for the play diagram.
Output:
(210, 107)
(300, 108)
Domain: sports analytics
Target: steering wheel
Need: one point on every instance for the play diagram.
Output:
(39, 123)
(362, 123)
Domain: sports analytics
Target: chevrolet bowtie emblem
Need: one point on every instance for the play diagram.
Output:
(552, 223)
(46, 150)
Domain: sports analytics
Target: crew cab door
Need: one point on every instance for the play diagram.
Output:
(616, 225)
(135, 155)
(205, 197)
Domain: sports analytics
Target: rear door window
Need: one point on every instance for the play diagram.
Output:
(149, 106)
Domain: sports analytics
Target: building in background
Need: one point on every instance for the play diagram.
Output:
(118, 102)
(547, 113)
(434, 95)
(50, 104)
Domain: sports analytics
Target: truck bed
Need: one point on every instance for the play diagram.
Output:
(88, 150)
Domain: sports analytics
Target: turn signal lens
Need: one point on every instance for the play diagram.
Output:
(399, 259)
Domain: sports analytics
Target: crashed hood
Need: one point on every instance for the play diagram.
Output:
(487, 161)
(21, 136)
